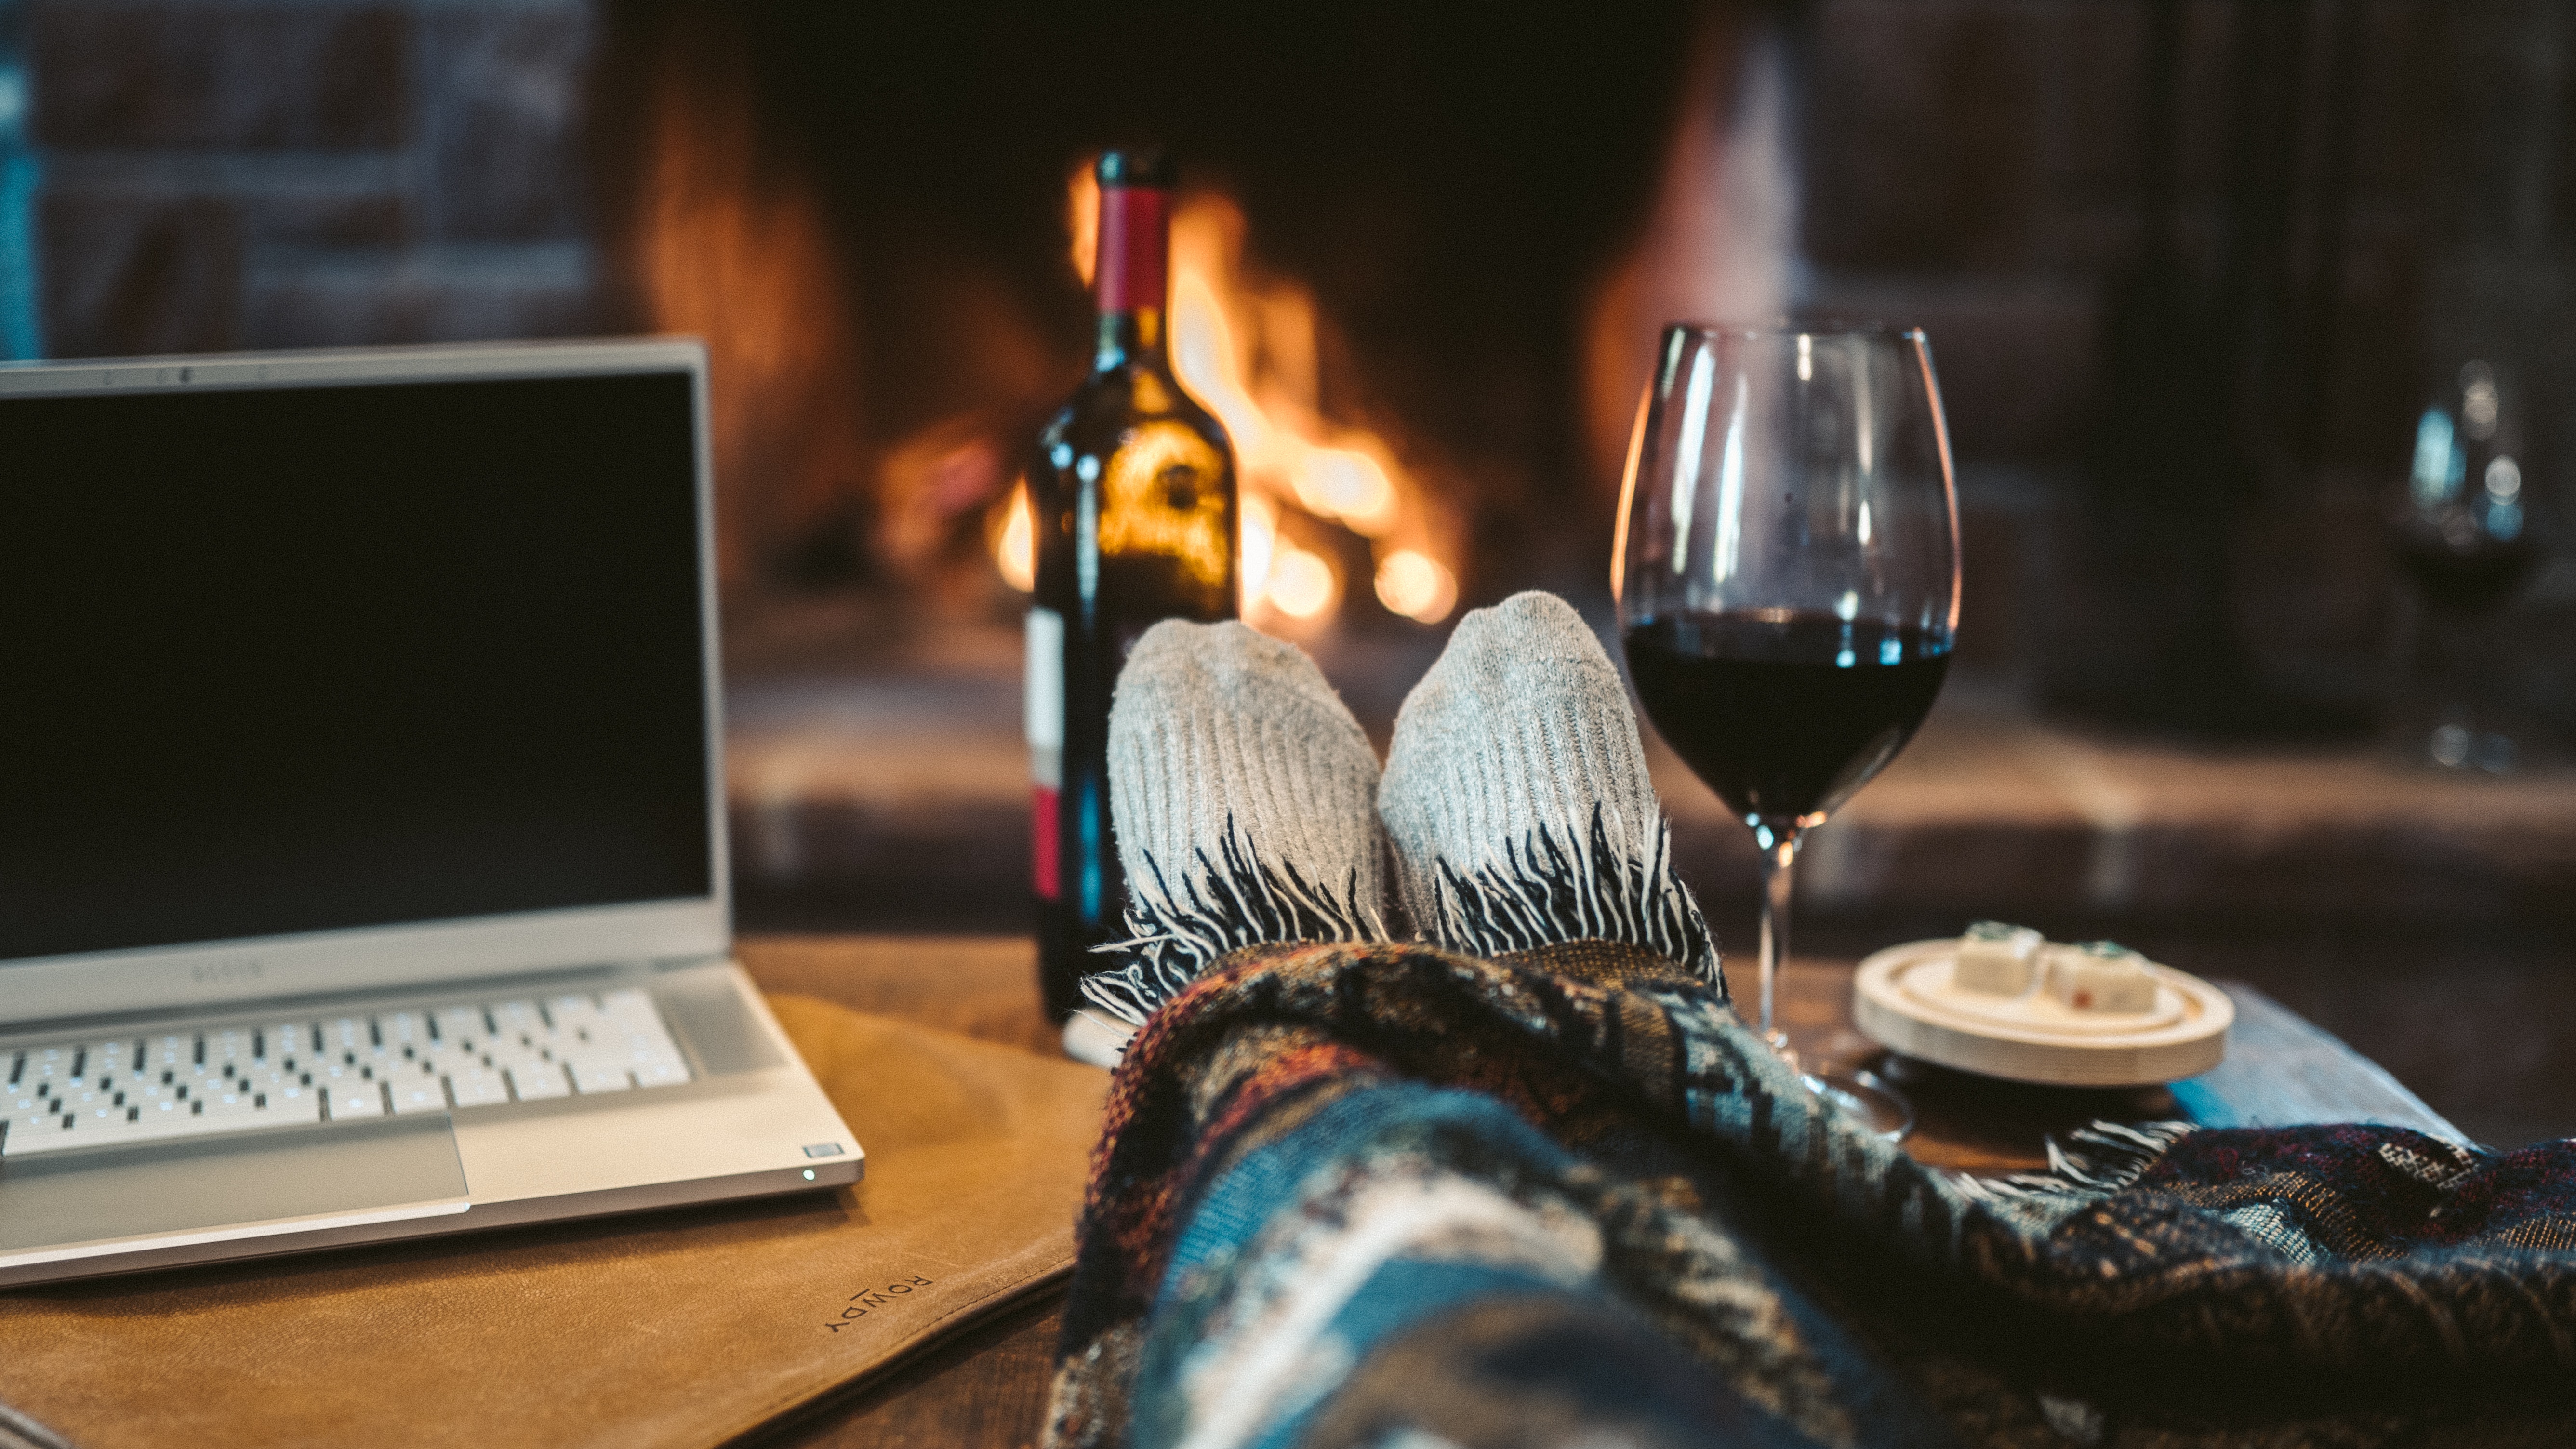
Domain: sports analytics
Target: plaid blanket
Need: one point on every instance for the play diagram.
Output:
(1389, 1195)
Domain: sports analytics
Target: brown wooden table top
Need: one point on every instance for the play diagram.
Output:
(988, 1386)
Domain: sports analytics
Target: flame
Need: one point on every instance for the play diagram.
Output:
(1015, 546)
(1246, 348)
(1260, 536)
(1280, 445)
(1302, 585)
(1082, 218)
(1417, 586)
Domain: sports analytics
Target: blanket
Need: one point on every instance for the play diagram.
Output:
(1391, 1195)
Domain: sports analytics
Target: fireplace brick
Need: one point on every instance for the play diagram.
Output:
(130, 73)
(506, 139)
(2013, 351)
(292, 199)
(1930, 152)
(441, 294)
(298, 173)
(141, 274)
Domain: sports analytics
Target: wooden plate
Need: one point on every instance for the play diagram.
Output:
(1898, 1002)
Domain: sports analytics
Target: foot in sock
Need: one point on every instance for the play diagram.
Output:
(1243, 797)
(1517, 801)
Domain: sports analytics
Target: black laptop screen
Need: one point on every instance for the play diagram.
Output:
(291, 660)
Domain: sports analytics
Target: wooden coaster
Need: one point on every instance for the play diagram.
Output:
(1903, 1000)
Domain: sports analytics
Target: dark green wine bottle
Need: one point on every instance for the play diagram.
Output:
(1132, 496)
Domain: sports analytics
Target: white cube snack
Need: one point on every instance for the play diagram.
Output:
(1996, 959)
(2102, 976)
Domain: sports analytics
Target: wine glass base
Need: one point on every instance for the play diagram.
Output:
(1870, 1103)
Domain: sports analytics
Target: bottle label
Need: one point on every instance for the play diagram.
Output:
(1135, 241)
(1044, 689)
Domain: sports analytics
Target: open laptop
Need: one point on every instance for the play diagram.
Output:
(362, 853)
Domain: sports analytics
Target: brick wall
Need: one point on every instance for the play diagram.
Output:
(229, 174)
(2357, 195)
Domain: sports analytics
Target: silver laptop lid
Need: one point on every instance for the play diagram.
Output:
(348, 669)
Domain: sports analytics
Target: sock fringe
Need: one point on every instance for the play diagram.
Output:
(1238, 900)
(1542, 892)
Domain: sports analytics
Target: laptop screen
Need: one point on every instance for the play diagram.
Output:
(301, 659)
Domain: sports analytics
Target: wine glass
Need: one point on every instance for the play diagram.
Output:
(2462, 532)
(1788, 578)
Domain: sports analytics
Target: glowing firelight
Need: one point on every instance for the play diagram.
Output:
(1248, 351)
(1015, 545)
(1260, 535)
(1016, 550)
(1416, 586)
(1347, 484)
(1082, 218)
(1301, 584)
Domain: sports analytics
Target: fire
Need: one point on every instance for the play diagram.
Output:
(1416, 585)
(1246, 348)
(1260, 535)
(1300, 584)
(1016, 548)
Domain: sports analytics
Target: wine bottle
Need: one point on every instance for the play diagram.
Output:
(1132, 494)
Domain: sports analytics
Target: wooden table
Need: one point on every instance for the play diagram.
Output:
(988, 1386)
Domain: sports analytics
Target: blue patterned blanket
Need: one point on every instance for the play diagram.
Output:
(1391, 1196)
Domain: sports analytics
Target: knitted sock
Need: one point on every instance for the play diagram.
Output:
(1517, 800)
(1240, 789)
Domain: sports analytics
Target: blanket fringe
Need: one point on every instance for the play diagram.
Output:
(2092, 1163)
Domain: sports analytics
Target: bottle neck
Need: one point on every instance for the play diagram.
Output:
(1132, 281)
(1130, 338)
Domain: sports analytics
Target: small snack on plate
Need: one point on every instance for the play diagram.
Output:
(1996, 959)
(2100, 976)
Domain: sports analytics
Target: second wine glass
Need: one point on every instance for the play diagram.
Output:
(1788, 578)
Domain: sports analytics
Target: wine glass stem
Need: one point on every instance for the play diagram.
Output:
(1775, 922)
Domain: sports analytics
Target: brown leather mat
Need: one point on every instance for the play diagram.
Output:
(677, 1328)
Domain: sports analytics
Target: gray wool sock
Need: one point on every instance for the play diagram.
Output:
(1517, 800)
(1242, 794)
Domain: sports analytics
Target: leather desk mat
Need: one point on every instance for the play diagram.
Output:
(680, 1328)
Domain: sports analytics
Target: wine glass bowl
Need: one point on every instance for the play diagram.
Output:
(2461, 525)
(2459, 528)
(1787, 570)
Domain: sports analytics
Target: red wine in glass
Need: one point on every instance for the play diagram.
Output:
(1784, 712)
(2465, 580)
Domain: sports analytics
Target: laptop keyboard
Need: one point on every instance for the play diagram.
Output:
(146, 1087)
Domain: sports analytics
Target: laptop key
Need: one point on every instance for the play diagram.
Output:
(593, 1076)
(536, 1081)
(667, 1072)
(354, 1099)
(478, 1088)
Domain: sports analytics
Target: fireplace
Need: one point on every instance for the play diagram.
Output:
(1405, 446)
(1424, 259)
(1431, 248)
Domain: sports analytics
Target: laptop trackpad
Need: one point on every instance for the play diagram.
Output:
(359, 1172)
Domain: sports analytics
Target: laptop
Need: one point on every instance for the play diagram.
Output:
(362, 848)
